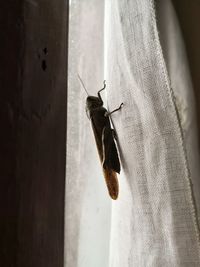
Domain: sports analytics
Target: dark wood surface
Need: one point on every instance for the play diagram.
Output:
(33, 106)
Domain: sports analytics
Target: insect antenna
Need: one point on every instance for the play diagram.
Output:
(81, 81)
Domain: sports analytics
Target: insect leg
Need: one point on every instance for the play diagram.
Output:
(109, 113)
(114, 134)
(104, 86)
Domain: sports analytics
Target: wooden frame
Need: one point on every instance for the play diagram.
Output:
(33, 107)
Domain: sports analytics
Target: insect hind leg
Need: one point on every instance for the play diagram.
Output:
(104, 87)
(107, 114)
(114, 134)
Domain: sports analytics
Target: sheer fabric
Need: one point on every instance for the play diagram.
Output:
(139, 50)
(88, 207)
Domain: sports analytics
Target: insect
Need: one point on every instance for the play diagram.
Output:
(104, 137)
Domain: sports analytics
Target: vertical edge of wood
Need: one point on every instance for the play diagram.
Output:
(11, 57)
(33, 114)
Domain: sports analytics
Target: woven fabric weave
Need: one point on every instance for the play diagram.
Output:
(154, 223)
(139, 50)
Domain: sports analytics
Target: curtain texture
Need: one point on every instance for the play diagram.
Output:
(137, 47)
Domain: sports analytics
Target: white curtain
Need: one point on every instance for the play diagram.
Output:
(137, 47)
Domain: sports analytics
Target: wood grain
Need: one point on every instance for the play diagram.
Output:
(33, 106)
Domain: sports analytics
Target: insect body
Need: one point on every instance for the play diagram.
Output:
(104, 137)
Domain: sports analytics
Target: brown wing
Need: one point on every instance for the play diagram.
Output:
(110, 155)
(107, 151)
(111, 182)
(110, 162)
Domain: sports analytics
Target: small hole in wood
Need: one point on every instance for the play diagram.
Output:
(44, 65)
(45, 51)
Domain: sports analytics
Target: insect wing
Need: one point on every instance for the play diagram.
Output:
(110, 155)
(110, 162)
(107, 151)
(111, 182)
